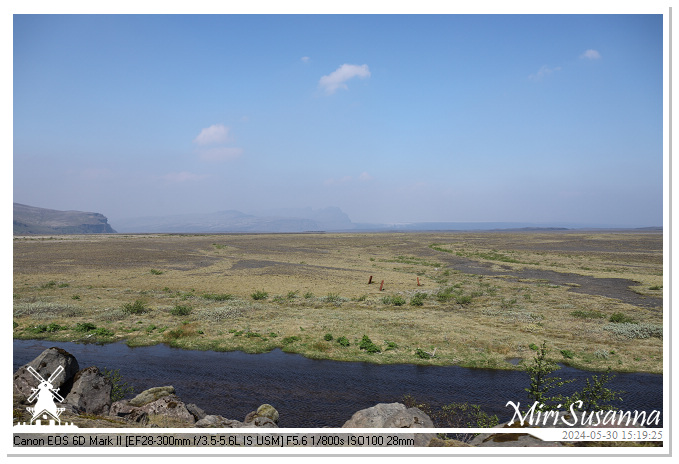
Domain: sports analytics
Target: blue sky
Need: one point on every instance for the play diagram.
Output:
(392, 118)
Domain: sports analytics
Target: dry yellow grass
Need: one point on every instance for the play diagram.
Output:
(485, 297)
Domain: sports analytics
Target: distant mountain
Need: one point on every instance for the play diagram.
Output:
(294, 220)
(30, 220)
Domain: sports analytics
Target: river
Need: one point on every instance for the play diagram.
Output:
(320, 393)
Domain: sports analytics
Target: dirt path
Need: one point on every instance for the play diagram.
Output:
(608, 287)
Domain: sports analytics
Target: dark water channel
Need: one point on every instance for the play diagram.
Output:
(313, 393)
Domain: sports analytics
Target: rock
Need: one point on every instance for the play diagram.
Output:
(261, 421)
(169, 406)
(212, 421)
(389, 415)
(121, 408)
(265, 411)
(139, 416)
(396, 415)
(514, 438)
(437, 442)
(152, 394)
(195, 411)
(91, 392)
(46, 364)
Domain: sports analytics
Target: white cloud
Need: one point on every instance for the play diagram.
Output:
(542, 72)
(220, 153)
(183, 176)
(212, 135)
(591, 54)
(305, 59)
(365, 177)
(338, 78)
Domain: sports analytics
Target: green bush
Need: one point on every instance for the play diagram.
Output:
(344, 341)
(418, 299)
(138, 307)
(422, 354)
(218, 296)
(455, 415)
(102, 332)
(368, 345)
(463, 299)
(260, 295)
(588, 314)
(288, 340)
(180, 310)
(156, 272)
(328, 337)
(395, 300)
(567, 354)
(620, 318)
(120, 388)
(85, 327)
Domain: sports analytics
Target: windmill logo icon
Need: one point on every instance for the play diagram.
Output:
(45, 408)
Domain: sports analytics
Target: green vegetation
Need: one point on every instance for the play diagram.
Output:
(344, 341)
(156, 272)
(120, 389)
(395, 300)
(138, 307)
(454, 415)
(217, 296)
(595, 396)
(368, 345)
(260, 295)
(587, 314)
(621, 318)
(180, 310)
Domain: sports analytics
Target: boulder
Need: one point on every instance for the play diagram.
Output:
(152, 394)
(195, 411)
(265, 411)
(121, 408)
(394, 415)
(261, 421)
(169, 406)
(91, 392)
(212, 421)
(389, 415)
(46, 364)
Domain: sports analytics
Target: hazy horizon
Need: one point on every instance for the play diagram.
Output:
(392, 119)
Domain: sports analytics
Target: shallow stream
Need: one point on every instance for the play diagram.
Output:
(318, 393)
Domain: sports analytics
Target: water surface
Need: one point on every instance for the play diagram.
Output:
(319, 393)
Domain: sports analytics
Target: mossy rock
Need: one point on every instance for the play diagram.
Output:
(152, 394)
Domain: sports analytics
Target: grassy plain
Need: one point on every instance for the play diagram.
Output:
(483, 298)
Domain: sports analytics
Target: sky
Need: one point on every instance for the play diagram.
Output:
(392, 118)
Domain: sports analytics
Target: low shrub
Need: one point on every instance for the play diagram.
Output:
(368, 345)
(328, 337)
(344, 341)
(628, 330)
(422, 354)
(588, 314)
(567, 354)
(418, 299)
(288, 340)
(217, 296)
(260, 295)
(180, 310)
(85, 327)
(620, 318)
(138, 307)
